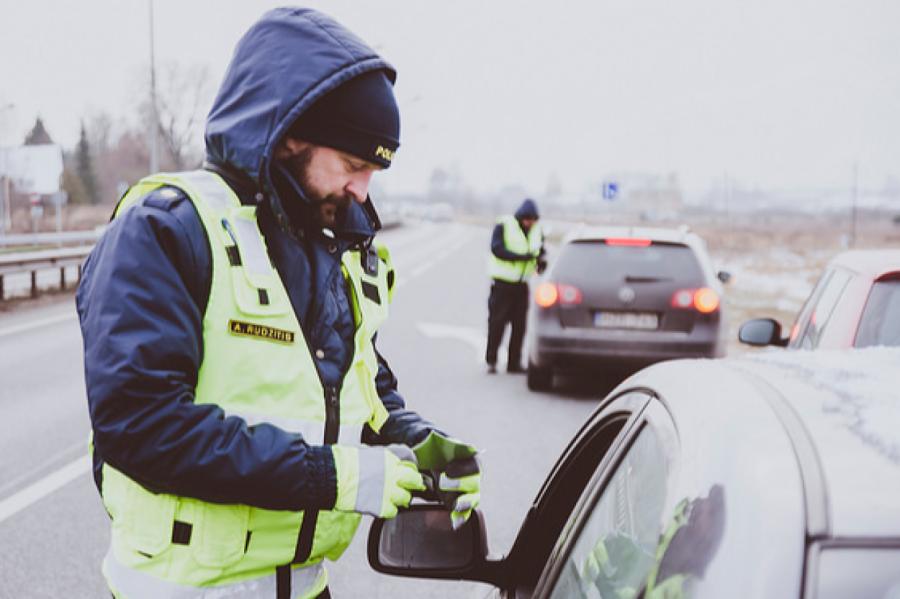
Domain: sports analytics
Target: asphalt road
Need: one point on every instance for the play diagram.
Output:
(53, 529)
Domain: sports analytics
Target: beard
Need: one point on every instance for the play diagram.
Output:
(326, 210)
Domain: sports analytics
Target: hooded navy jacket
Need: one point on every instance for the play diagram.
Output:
(146, 284)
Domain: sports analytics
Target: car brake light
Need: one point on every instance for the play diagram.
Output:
(683, 298)
(569, 295)
(704, 300)
(628, 241)
(546, 295)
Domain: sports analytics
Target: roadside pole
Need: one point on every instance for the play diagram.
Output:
(854, 201)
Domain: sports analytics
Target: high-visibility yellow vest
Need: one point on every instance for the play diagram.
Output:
(516, 241)
(257, 366)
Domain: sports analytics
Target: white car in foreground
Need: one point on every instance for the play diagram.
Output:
(769, 476)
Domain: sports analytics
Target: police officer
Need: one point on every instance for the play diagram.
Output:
(242, 417)
(517, 251)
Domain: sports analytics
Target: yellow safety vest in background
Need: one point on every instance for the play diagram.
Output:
(517, 242)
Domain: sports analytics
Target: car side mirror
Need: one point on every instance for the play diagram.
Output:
(761, 332)
(420, 542)
(723, 275)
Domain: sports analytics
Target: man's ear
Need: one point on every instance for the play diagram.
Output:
(289, 147)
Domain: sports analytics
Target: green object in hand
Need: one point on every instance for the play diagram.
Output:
(436, 451)
(457, 472)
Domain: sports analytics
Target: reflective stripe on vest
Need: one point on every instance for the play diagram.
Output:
(515, 240)
(256, 366)
(127, 583)
(312, 431)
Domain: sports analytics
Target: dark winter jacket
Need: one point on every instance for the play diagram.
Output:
(146, 284)
(528, 209)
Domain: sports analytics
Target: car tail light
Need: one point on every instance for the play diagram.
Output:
(704, 300)
(569, 295)
(546, 295)
(628, 241)
(683, 298)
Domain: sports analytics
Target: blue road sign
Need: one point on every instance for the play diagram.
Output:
(610, 190)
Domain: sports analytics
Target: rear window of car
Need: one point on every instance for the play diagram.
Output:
(579, 260)
(880, 322)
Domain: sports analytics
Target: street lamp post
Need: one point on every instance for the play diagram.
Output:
(5, 204)
(154, 134)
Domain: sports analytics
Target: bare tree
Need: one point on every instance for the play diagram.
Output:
(182, 99)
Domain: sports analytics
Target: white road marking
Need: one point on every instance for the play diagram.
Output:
(36, 324)
(44, 487)
(476, 339)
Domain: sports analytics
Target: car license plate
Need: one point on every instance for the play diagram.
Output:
(626, 320)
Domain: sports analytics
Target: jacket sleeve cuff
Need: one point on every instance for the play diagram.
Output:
(322, 485)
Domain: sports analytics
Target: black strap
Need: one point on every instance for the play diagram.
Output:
(283, 582)
(181, 533)
(234, 255)
(371, 291)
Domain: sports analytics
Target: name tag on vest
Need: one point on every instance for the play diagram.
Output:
(248, 329)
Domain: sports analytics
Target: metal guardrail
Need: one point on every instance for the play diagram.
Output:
(22, 262)
(61, 258)
(65, 237)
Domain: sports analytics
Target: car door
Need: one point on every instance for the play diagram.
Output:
(589, 451)
(610, 545)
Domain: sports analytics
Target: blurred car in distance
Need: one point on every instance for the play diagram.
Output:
(855, 303)
(620, 298)
(701, 479)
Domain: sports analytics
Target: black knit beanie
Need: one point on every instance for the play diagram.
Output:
(360, 117)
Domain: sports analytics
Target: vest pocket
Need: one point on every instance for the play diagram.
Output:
(219, 534)
(148, 519)
(334, 532)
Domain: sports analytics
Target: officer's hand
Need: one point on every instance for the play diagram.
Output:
(541, 265)
(462, 481)
(452, 463)
(375, 480)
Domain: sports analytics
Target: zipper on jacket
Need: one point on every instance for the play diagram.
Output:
(332, 415)
(332, 427)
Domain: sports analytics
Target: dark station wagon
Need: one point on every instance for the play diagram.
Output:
(620, 298)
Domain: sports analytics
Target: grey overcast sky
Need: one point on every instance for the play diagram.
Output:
(777, 93)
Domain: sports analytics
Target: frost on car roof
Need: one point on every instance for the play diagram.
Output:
(849, 401)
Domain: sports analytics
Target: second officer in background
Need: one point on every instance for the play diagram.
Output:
(517, 252)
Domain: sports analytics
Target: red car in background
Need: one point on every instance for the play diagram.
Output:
(856, 303)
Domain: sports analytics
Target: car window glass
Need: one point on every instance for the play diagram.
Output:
(880, 322)
(614, 551)
(803, 317)
(823, 308)
(859, 572)
(583, 261)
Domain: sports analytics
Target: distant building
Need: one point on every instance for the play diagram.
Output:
(33, 169)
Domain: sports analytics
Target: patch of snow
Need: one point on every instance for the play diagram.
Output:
(861, 387)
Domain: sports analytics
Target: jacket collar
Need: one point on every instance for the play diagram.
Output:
(361, 221)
